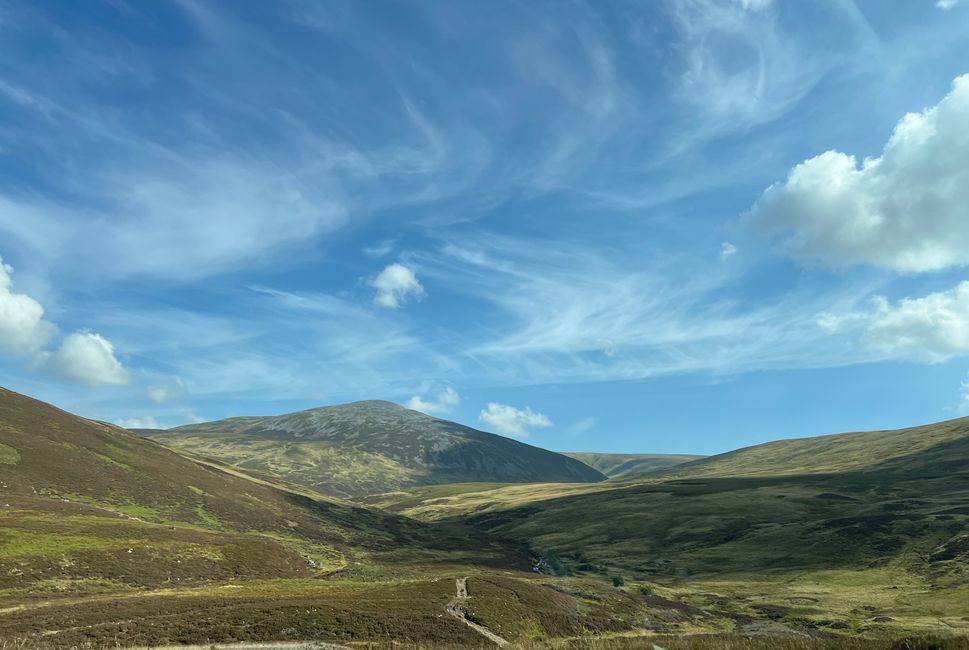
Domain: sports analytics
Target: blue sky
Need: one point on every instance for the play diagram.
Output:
(679, 226)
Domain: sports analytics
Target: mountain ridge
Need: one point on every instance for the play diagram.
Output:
(882, 450)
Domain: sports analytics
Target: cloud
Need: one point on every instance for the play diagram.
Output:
(581, 427)
(511, 421)
(379, 249)
(147, 422)
(87, 358)
(905, 210)
(445, 402)
(23, 329)
(161, 393)
(553, 310)
(932, 328)
(727, 250)
(946, 4)
(963, 405)
(395, 285)
(84, 357)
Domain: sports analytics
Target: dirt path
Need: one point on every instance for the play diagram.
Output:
(454, 609)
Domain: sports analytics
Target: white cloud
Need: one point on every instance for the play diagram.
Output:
(932, 328)
(946, 4)
(87, 358)
(23, 329)
(567, 313)
(395, 285)
(139, 423)
(445, 401)
(511, 421)
(727, 250)
(905, 210)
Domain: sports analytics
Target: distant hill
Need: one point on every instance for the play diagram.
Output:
(937, 448)
(873, 517)
(630, 466)
(371, 447)
(87, 503)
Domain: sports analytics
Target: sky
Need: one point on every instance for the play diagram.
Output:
(655, 226)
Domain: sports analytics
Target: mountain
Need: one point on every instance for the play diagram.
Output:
(371, 447)
(86, 503)
(938, 447)
(630, 466)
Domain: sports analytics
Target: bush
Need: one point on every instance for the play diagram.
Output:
(617, 581)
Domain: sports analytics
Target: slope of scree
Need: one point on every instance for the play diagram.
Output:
(371, 447)
(82, 500)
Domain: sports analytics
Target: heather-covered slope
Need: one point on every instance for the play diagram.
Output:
(939, 447)
(83, 502)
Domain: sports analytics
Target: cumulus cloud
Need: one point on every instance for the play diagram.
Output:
(395, 285)
(727, 250)
(87, 358)
(139, 423)
(511, 421)
(933, 328)
(23, 329)
(904, 210)
(445, 401)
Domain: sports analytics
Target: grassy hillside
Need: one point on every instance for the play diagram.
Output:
(371, 447)
(630, 466)
(89, 505)
(933, 447)
(880, 551)
(835, 552)
(110, 540)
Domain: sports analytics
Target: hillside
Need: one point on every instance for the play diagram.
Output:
(630, 466)
(878, 546)
(371, 447)
(936, 447)
(89, 503)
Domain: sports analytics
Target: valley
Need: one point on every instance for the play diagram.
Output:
(110, 539)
